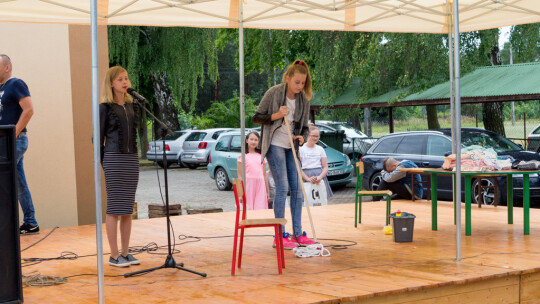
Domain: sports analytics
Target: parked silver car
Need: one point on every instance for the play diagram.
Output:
(197, 146)
(355, 142)
(173, 148)
(533, 140)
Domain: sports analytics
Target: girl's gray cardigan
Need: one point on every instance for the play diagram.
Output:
(270, 103)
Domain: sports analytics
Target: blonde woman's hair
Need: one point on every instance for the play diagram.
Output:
(107, 95)
(299, 66)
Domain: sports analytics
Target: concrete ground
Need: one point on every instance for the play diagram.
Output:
(195, 189)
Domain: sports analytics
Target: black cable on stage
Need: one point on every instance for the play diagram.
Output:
(199, 238)
(50, 232)
(150, 248)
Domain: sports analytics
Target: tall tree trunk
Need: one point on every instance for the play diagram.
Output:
(367, 121)
(432, 119)
(493, 117)
(165, 100)
(216, 90)
(155, 125)
(355, 119)
(492, 112)
(143, 133)
(247, 85)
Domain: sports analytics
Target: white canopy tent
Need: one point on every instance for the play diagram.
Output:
(415, 16)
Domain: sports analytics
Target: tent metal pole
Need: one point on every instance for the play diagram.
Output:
(456, 199)
(451, 71)
(97, 150)
(241, 73)
(457, 119)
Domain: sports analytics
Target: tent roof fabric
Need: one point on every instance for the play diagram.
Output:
(486, 84)
(418, 16)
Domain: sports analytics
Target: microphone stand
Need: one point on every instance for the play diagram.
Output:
(169, 261)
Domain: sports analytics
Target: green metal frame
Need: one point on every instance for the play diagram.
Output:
(358, 200)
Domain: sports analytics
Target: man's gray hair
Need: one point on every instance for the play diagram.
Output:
(6, 60)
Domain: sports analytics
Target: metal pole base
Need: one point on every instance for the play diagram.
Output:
(169, 263)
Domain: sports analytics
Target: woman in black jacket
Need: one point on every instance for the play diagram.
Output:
(120, 160)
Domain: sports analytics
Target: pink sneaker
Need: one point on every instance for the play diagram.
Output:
(288, 244)
(303, 240)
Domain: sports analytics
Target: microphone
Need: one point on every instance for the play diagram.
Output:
(136, 95)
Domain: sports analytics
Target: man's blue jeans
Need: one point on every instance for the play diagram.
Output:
(25, 198)
(281, 162)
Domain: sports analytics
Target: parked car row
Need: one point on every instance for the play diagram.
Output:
(427, 150)
(173, 148)
(220, 148)
(222, 162)
(187, 148)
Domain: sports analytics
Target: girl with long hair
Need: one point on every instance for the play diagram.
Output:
(288, 100)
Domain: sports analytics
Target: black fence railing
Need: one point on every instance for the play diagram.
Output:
(529, 144)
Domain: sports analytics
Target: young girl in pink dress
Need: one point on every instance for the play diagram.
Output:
(256, 181)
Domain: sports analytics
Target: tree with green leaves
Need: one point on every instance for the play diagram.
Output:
(525, 42)
(390, 61)
(488, 54)
(167, 63)
(227, 114)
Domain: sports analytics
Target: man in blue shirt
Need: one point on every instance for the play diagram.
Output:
(16, 109)
(399, 182)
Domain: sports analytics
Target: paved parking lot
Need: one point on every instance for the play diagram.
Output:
(195, 189)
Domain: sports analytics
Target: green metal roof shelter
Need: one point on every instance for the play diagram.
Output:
(517, 82)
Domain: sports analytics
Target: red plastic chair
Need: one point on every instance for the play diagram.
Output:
(243, 223)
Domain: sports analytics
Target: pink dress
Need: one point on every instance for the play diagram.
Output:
(256, 196)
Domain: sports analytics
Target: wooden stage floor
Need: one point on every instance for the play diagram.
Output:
(500, 264)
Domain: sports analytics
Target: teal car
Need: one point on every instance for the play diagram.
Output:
(223, 157)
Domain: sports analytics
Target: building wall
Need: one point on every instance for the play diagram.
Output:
(55, 63)
(81, 80)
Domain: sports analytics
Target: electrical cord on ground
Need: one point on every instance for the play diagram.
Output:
(41, 280)
(50, 232)
(311, 251)
(150, 248)
(153, 248)
(199, 238)
(326, 270)
(36, 279)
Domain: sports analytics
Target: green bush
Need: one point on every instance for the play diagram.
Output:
(226, 114)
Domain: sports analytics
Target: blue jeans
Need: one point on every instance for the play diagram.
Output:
(25, 199)
(281, 162)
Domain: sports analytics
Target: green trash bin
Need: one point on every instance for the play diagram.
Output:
(333, 139)
(403, 226)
